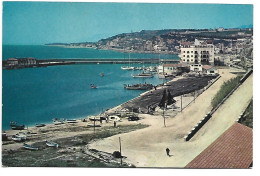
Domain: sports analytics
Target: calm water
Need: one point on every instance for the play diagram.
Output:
(37, 95)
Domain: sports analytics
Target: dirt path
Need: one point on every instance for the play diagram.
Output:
(146, 147)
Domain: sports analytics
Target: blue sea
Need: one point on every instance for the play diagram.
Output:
(37, 95)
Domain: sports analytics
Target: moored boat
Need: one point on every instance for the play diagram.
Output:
(127, 68)
(138, 86)
(143, 75)
(14, 126)
(30, 147)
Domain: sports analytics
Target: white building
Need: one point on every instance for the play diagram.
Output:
(198, 52)
(170, 69)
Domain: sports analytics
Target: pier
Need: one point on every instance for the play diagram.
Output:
(14, 62)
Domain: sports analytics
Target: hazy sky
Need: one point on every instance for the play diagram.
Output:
(47, 22)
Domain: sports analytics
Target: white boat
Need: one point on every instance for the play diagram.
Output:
(58, 122)
(52, 144)
(143, 75)
(30, 147)
(127, 68)
(72, 121)
(17, 139)
(114, 118)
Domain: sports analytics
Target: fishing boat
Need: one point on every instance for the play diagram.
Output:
(30, 147)
(52, 144)
(138, 86)
(40, 125)
(14, 126)
(143, 75)
(72, 121)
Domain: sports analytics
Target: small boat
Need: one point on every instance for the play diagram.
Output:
(138, 86)
(21, 135)
(101, 74)
(92, 86)
(127, 68)
(143, 75)
(52, 144)
(17, 139)
(72, 121)
(58, 122)
(114, 118)
(30, 147)
(14, 126)
(40, 125)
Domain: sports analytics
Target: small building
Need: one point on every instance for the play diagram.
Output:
(209, 70)
(171, 69)
(21, 62)
(196, 67)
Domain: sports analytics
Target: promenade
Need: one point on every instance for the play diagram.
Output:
(146, 147)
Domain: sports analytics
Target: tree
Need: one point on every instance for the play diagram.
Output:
(163, 100)
(170, 99)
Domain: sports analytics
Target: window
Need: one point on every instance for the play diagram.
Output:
(188, 60)
(183, 60)
(183, 55)
(188, 52)
(191, 60)
(191, 51)
(191, 56)
(183, 51)
(188, 56)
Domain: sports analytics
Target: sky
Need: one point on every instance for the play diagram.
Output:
(67, 22)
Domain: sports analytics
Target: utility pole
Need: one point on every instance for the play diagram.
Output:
(94, 125)
(164, 114)
(120, 149)
(194, 95)
(181, 103)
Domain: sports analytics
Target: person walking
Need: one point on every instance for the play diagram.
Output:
(168, 152)
(114, 123)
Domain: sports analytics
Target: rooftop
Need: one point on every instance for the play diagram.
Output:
(233, 149)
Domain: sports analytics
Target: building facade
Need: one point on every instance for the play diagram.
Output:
(197, 52)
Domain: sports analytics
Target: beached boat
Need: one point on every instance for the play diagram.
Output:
(40, 125)
(17, 139)
(138, 86)
(143, 75)
(58, 122)
(52, 144)
(72, 121)
(30, 147)
(114, 118)
(14, 126)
